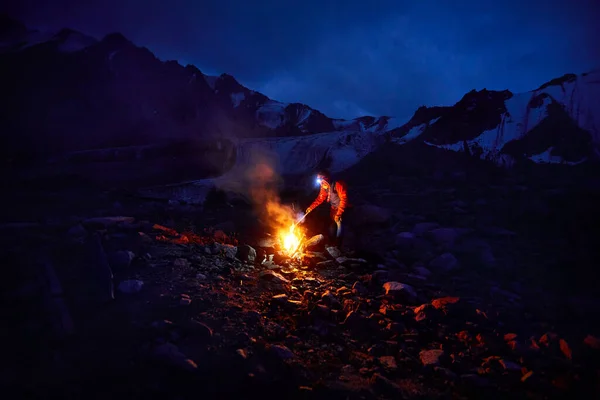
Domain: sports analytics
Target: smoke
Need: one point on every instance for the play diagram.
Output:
(257, 179)
(263, 191)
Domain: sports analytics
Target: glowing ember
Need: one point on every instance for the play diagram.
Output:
(290, 240)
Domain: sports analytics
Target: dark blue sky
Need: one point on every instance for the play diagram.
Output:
(348, 58)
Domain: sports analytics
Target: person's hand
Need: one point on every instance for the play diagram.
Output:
(308, 210)
(337, 219)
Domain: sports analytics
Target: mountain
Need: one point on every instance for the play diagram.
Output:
(559, 122)
(69, 92)
(81, 103)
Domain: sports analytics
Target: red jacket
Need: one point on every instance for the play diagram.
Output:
(336, 196)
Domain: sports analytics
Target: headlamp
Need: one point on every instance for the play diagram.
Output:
(319, 180)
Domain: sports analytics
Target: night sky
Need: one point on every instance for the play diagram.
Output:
(347, 57)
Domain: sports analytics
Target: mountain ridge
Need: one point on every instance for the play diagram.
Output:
(73, 93)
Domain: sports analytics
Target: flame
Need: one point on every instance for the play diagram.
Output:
(290, 240)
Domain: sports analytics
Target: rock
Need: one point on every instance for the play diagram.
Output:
(267, 242)
(350, 262)
(131, 286)
(592, 342)
(443, 236)
(326, 264)
(281, 352)
(107, 222)
(354, 320)
(385, 385)
(279, 299)
(431, 357)
(359, 288)
(565, 349)
(200, 329)
(77, 232)
(185, 300)
(380, 276)
(475, 380)
(425, 312)
(330, 300)
(509, 365)
(246, 253)
(99, 275)
(334, 252)
(200, 277)
(421, 271)
(401, 290)
(226, 250)
(120, 260)
(171, 354)
(388, 362)
(445, 262)
(313, 241)
(181, 263)
(444, 302)
(405, 240)
(273, 276)
(424, 227)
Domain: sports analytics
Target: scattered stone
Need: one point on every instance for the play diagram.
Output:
(171, 354)
(565, 349)
(388, 362)
(401, 290)
(445, 262)
(77, 232)
(431, 357)
(405, 240)
(350, 262)
(592, 342)
(279, 299)
(273, 277)
(200, 329)
(422, 271)
(185, 300)
(281, 351)
(246, 253)
(443, 302)
(359, 288)
(181, 263)
(131, 286)
(509, 365)
(443, 236)
(120, 260)
(326, 264)
(313, 241)
(334, 252)
(424, 227)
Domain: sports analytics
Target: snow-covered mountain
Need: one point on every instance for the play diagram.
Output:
(557, 123)
(70, 92)
(71, 97)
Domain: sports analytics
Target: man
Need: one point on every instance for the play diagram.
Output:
(336, 195)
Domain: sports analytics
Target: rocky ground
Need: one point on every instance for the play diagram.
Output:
(442, 290)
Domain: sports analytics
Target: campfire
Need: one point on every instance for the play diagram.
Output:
(290, 240)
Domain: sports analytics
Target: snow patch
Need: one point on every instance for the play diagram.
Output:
(271, 114)
(303, 115)
(547, 158)
(519, 119)
(580, 100)
(237, 98)
(414, 132)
